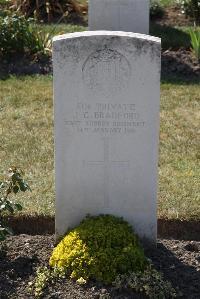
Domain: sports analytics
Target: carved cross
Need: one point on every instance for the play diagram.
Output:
(107, 163)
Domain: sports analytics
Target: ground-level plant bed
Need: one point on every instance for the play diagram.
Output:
(180, 64)
(179, 261)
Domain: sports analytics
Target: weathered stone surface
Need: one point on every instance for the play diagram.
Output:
(106, 97)
(119, 15)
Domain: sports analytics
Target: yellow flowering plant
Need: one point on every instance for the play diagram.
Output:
(100, 248)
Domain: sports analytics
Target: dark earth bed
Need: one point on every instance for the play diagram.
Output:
(179, 261)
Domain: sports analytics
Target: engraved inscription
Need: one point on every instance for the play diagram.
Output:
(105, 119)
(106, 72)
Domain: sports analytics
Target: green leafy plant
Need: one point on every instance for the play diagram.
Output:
(191, 8)
(195, 42)
(21, 35)
(16, 35)
(13, 184)
(99, 248)
(44, 277)
(149, 282)
(44, 39)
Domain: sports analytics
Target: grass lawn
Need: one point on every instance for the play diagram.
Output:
(26, 130)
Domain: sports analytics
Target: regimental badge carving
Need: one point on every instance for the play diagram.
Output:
(106, 72)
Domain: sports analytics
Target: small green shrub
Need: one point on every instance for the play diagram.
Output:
(20, 35)
(44, 277)
(156, 9)
(150, 282)
(191, 8)
(16, 35)
(99, 248)
(13, 184)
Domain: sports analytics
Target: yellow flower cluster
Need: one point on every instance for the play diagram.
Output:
(99, 248)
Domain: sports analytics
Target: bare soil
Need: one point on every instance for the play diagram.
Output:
(174, 17)
(180, 64)
(179, 261)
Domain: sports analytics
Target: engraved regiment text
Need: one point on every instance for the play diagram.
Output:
(105, 118)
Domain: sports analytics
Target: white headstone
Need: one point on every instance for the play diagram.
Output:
(106, 97)
(119, 15)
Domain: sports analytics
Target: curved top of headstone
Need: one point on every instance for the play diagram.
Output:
(137, 36)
